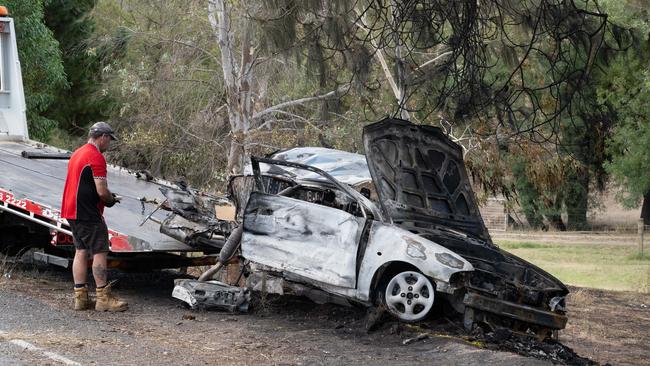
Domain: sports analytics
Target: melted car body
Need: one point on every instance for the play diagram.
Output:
(400, 230)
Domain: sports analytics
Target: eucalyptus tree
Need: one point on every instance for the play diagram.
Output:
(245, 50)
(513, 68)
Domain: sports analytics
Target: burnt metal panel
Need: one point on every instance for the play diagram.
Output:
(212, 295)
(310, 240)
(512, 310)
(420, 176)
(389, 243)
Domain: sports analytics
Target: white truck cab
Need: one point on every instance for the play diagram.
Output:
(13, 119)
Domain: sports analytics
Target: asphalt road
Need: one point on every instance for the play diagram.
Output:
(37, 327)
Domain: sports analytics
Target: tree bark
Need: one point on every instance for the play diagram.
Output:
(237, 80)
(400, 69)
(645, 209)
(576, 199)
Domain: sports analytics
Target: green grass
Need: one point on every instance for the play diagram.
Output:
(523, 245)
(641, 257)
(610, 267)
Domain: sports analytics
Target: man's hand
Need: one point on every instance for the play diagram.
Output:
(114, 200)
(105, 195)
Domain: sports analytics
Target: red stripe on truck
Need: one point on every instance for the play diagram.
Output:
(118, 241)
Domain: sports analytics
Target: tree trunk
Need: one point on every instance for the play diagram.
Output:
(645, 209)
(576, 199)
(556, 222)
(554, 215)
(527, 194)
(400, 70)
(237, 80)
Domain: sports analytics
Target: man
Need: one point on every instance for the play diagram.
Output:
(84, 196)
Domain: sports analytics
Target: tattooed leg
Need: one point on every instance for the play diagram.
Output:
(100, 270)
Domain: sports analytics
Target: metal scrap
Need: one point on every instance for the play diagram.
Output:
(212, 295)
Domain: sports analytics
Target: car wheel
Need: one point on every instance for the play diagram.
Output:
(409, 296)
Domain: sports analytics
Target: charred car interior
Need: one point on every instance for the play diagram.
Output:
(398, 228)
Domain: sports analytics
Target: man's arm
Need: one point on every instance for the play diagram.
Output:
(103, 192)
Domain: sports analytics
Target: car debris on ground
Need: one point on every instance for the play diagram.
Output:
(211, 295)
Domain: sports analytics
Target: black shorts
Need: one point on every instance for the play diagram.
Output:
(90, 235)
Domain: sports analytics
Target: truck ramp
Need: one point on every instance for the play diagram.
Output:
(34, 187)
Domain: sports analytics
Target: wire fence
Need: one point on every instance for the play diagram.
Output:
(495, 215)
(643, 231)
(499, 216)
(501, 220)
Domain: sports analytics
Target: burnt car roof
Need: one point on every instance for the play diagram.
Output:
(420, 176)
(346, 167)
(418, 172)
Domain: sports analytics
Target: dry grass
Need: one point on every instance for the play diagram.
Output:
(7, 269)
(609, 326)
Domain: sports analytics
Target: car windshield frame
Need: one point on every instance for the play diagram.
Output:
(364, 202)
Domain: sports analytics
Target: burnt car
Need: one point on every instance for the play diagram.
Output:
(398, 227)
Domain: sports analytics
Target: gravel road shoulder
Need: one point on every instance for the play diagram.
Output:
(158, 331)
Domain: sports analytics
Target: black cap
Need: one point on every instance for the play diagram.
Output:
(103, 128)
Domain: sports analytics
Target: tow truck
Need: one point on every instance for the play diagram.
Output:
(32, 175)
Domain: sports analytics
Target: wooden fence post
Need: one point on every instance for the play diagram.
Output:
(641, 229)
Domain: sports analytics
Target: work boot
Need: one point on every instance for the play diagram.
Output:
(81, 301)
(107, 302)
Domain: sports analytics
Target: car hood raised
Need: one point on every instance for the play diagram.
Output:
(420, 177)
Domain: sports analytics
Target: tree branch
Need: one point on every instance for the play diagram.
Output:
(332, 94)
(379, 54)
(433, 60)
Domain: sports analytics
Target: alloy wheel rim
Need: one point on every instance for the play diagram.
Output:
(409, 296)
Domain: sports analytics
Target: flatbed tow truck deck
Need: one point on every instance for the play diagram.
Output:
(41, 182)
(32, 189)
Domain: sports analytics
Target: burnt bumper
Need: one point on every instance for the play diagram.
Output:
(516, 311)
(212, 295)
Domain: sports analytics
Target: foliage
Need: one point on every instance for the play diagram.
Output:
(538, 87)
(629, 146)
(511, 66)
(82, 103)
(42, 66)
(159, 65)
(624, 89)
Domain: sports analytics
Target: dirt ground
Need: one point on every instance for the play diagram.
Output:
(608, 327)
(156, 330)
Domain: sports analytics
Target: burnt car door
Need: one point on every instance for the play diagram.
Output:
(297, 236)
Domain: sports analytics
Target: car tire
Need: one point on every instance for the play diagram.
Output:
(408, 296)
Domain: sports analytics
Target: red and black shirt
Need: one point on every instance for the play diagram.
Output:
(80, 198)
